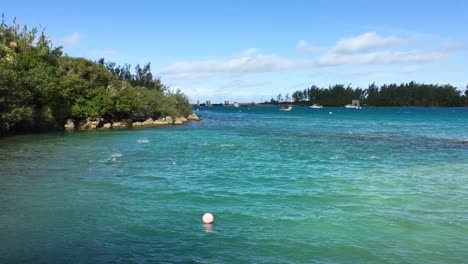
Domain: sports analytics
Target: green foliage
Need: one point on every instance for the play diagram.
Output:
(181, 102)
(466, 96)
(414, 94)
(142, 77)
(405, 94)
(40, 88)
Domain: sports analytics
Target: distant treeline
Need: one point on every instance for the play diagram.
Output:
(405, 94)
(40, 87)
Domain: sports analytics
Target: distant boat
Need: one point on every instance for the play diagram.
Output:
(316, 106)
(352, 106)
(286, 108)
(236, 105)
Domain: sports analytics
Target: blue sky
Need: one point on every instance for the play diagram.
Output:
(253, 50)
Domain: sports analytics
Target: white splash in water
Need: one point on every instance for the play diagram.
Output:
(116, 155)
(227, 145)
(143, 141)
(334, 157)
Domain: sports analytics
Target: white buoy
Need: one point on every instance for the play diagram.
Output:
(330, 113)
(208, 218)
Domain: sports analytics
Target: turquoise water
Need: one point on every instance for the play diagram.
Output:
(377, 185)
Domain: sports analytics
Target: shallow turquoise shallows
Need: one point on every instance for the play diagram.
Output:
(331, 185)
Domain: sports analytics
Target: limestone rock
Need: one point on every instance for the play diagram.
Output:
(148, 122)
(160, 122)
(88, 124)
(70, 124)
(169, 120)
(119, 125)
(178, 121)
(107, 126)
(194, 117)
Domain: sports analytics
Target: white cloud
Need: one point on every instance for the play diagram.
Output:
(367, 73)
(412, 69)
(242, 84)
(351, 51)
(71, 39)
(260, 63)
(248, 62)
(366, 42)
(195, 93)
(452, 46)
(381, 57)
(303, 46)
(188, 75)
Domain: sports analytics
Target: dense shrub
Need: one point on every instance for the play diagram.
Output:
(40, 87)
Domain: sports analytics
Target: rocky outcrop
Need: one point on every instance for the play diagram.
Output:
(119, 125)
(89, 124)
(98, 123)
(137, 124)
(180, 120)
(148, 122)
(107, 126)
(70, 124)
(160, 122)
(193, 117)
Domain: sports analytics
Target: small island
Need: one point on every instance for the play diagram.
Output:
(42, 89)
(399, 95)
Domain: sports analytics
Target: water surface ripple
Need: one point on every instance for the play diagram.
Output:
(377, 185)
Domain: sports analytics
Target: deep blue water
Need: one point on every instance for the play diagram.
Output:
(331, 185)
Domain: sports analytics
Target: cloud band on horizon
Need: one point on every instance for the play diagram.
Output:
(365, 49)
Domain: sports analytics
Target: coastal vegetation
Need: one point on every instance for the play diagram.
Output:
(405, 94)
(41, 87)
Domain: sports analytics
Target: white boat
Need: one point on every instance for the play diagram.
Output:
(236, 105)
(352, 106)
(316, 106)
(286, 108)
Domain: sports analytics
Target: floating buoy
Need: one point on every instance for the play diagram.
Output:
(330, 113)
(208, 218)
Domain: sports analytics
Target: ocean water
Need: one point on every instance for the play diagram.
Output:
(331, 185)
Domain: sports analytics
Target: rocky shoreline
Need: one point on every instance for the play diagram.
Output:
(101, 124)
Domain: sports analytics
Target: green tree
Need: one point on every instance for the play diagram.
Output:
(40, 87)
